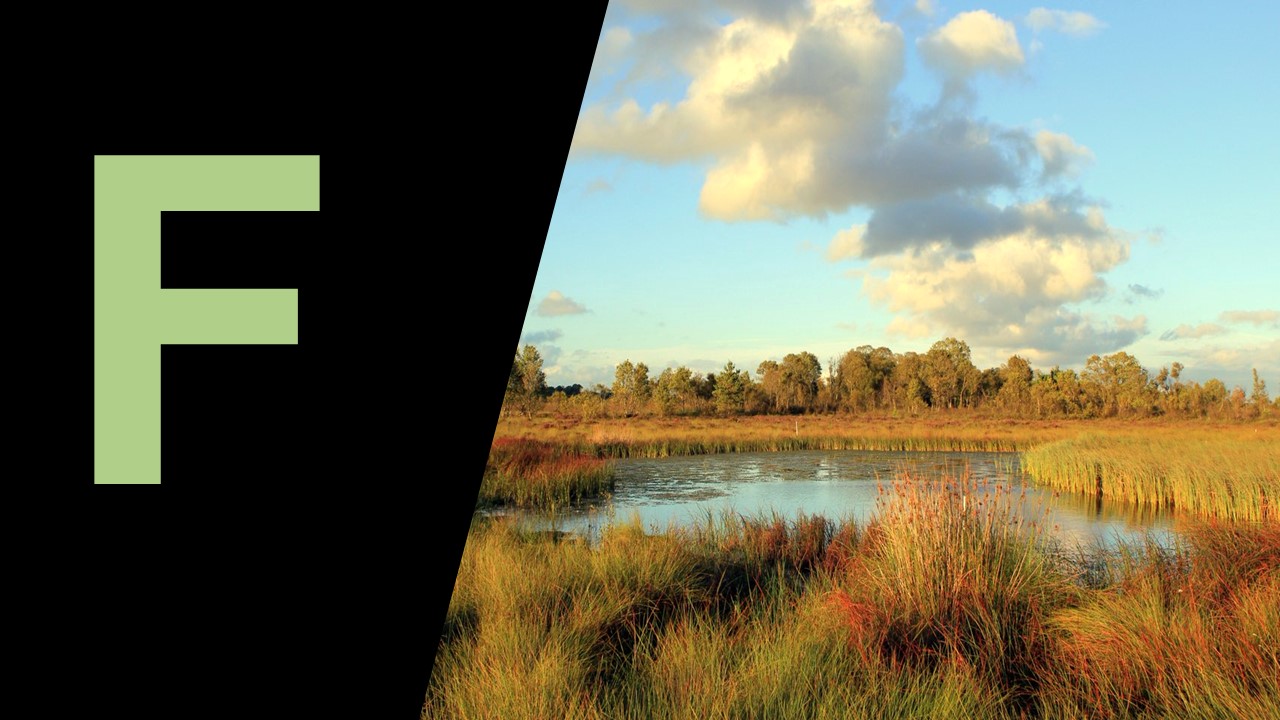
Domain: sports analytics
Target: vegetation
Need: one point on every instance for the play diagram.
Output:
(938, 607)
(867, 379)
(662, 437)
(1230, 476)
(541, 474)
(952, 601)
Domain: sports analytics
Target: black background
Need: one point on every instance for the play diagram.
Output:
(298, 557)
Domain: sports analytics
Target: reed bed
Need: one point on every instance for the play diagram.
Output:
(663, 437)
(1232, 477)
(951, 602)
(536, 473)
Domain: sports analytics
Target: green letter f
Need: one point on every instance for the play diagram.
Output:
(133, 316)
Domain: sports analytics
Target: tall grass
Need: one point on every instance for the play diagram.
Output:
(662, 437)
(1192, 632)
(948, 603)
(1234, 477)
(541, 474)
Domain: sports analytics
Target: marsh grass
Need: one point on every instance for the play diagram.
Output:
(1226, 476)
(1191, 631)
(665, 437)
(541, 474)
(950, 602)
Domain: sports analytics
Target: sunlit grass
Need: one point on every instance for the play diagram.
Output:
(542, 474)
(1224, 475)
(949, 602)
(662, 437)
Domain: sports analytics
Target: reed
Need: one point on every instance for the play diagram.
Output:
(1188, 632)
(663, 437)
(541, 474)
(1227, 476)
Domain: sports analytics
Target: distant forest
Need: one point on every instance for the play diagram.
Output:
(877, 379)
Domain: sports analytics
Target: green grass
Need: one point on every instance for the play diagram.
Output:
(936, 608)
(1234, 477)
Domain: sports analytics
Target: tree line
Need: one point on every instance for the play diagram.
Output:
(867, 379)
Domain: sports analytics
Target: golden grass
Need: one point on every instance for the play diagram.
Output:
(935, 608)
(1233, 476)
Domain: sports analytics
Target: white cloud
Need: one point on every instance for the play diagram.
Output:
(555, 303)
(1060, 155)
(798, 112)
(1261, 318)
(1186, 332)
(1010, 293)
(970, 43)
(1078, 24)
(847, 243)
(925, 7)
(611, 51)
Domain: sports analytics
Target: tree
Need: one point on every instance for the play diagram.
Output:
(631, 386)
(1118, 383)
(908, 388)
(771, 385)
(1237, 401)
(857, 380)
(1015, 390)
(526, 383)
(731, 389)
(1214, 397)
(950, 373)
(675, 391)
(1259, 396)
(801, 373)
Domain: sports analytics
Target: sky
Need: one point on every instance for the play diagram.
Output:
(752, 178)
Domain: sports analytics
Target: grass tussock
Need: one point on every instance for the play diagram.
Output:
(939, 607)
(1231, 477)
(542, 474)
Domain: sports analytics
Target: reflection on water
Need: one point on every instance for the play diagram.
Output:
(840, 484)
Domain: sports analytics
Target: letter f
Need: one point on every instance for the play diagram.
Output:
(133, 316)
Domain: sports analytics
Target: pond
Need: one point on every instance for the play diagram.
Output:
(839, 484)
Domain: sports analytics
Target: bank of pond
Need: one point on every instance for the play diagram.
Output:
(953, 596)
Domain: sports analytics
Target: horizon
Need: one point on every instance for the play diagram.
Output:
(749, 180)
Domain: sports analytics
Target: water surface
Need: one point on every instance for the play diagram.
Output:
(839, 484)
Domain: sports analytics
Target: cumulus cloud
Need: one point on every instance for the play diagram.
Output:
(798, 113)
(1074, 23)
(1186, 332)
(961, 223)
(555, 303)
(541, 336)
(800, 118)
(847, 244)
(1010, 293)
(972, 42)
(1261, 318)
(611, 51)
(925, 7)
(1060, 154)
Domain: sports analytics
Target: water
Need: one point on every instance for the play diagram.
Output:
(839, 484)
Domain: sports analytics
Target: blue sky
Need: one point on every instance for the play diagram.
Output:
(751, 178)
